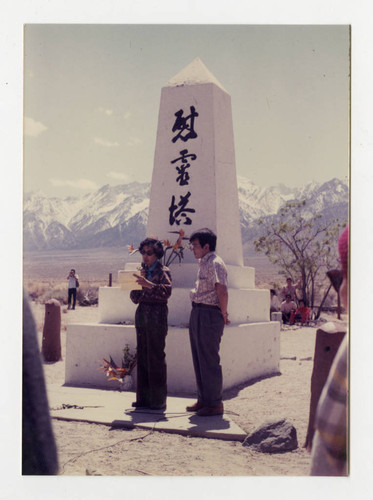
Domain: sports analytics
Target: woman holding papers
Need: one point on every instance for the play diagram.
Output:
(151, 326)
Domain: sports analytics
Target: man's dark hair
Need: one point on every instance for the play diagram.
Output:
(155, 244)
(204, 236)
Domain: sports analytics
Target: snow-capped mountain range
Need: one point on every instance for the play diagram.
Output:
(117, 215)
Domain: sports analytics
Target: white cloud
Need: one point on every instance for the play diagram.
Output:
(134, 141)
(83, 184)
(33, 128)
(106, 143)
(119, 176)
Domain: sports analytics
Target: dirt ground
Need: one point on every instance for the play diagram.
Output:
(90, 449)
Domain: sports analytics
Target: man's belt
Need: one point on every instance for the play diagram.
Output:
(208, 306)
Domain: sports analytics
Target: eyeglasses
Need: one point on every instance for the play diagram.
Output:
(149, 253)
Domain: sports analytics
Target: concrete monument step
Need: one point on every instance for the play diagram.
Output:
(114, 408)
(244, 306)
(247, 351)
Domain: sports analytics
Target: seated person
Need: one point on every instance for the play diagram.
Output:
(287, 307)
(275, 303)
(302, 314)
(291, 289)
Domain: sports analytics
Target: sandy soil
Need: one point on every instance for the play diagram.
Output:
(89, 449)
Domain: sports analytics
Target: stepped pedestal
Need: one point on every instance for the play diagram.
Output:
(250, 345)
(247, 351)
(193, 186)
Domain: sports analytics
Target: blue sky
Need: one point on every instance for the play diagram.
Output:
(92, 96)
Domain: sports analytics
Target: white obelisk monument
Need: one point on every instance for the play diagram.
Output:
(194, 181)
(194, 185)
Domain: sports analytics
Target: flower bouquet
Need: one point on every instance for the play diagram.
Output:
(121, 374)
(171, 251)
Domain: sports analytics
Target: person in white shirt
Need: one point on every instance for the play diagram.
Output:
(73, 284)
(275, 303)
(208, 317)
(287, 307)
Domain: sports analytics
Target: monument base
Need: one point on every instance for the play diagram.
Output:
(245, 306)
(247, 351)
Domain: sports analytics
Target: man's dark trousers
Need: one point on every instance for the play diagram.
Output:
(206, 328)
(72, 294)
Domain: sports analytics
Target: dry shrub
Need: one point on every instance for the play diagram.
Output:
(57, 292)
(36, 289)
(43, 291)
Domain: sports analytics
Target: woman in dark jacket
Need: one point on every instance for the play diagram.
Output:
(151, 326)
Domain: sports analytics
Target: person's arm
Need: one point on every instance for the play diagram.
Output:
(222, 292)
(160, 287)
(135, 296)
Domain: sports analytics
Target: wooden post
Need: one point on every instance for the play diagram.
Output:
(110, 279)
(51, 344)
(326, 347)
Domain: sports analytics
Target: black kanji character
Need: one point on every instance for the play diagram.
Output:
(183, 176)
(185, 124)
(182, 212)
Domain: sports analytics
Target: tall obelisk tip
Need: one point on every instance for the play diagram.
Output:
(195, 73)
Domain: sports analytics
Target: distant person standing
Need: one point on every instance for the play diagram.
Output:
(72, 286)
(291, 289)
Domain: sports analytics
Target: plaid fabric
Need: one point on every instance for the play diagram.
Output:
(160, 293)
(330, 446)
(211, 270)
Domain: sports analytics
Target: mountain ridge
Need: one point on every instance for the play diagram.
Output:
(117, 215)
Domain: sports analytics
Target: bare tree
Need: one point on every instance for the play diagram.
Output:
(301, 244)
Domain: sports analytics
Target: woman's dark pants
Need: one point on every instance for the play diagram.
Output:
(151, 331)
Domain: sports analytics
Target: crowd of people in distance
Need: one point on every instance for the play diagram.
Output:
(292, 309)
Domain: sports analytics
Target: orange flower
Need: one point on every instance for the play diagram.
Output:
(179, 240)
(166, 243)
(131, 248)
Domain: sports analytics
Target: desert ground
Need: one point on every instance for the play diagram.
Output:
(88, 449)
